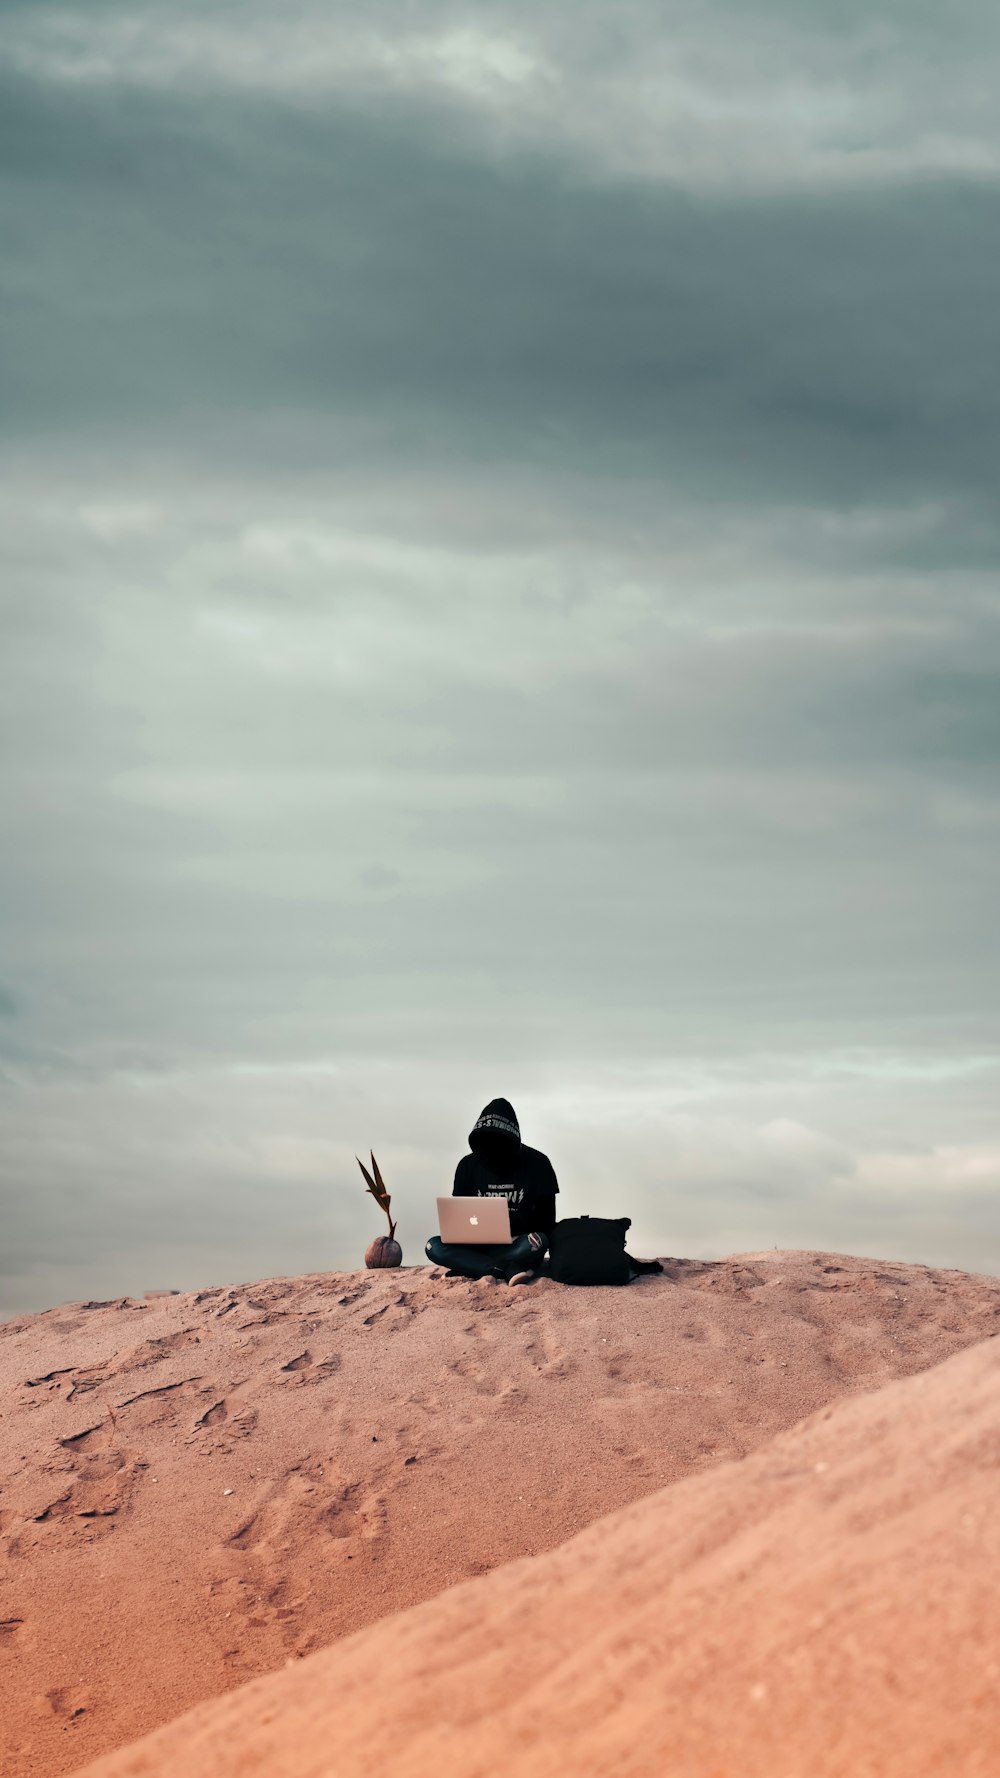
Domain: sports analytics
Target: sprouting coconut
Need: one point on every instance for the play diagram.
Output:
(385, 1249)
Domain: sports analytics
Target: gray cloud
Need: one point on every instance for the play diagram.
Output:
(484, 578)
(713, 95)
(196, 265)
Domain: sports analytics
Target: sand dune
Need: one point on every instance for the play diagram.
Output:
(827, 1607)
(199, 1489)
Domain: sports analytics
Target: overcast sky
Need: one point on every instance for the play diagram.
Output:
(499, 546)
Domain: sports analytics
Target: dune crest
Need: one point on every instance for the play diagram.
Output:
(199, 1489)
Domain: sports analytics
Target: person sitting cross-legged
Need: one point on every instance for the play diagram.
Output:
(500, 1165)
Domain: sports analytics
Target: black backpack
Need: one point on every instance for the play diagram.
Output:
(590, 1250)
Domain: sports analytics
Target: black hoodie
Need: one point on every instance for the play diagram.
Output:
(502, 1166)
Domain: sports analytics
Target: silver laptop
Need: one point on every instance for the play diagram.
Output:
(485, 1221)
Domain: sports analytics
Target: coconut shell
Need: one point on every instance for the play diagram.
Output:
(383, 1252)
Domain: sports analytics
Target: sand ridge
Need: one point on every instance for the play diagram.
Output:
(827, 1607)
(201, 1488)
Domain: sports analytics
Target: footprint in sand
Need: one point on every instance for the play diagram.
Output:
(392, 1316)
(711, 1333)
(304, 1368)
(99, 1477)
(355, 1295)
(77, 1380)
(722, 1278)
(164, 1404)
(52, 1380)
(222, 1423)
(216, 1303)
(479, 1359)
(215, 1415)
(71, 1382)
(272, 1311)
(314, 1507)
(313, 1498)
(69, 1702)
(618, 1366)
(155, 1351)
(636, 1459)
(85, 1382)
(545, 1352)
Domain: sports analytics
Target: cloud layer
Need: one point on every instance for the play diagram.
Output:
(499, 595)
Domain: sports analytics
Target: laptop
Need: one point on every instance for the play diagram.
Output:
(483, 1221)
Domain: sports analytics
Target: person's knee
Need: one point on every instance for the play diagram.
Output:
(432, 1246)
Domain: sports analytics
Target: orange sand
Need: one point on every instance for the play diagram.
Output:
(199, 1489)
(828, 1608)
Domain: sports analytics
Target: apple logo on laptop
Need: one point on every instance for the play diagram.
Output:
(474, 1222)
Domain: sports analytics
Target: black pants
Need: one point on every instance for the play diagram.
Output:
(483, 1262)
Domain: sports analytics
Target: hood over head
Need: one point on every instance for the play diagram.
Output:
(495, 1137)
